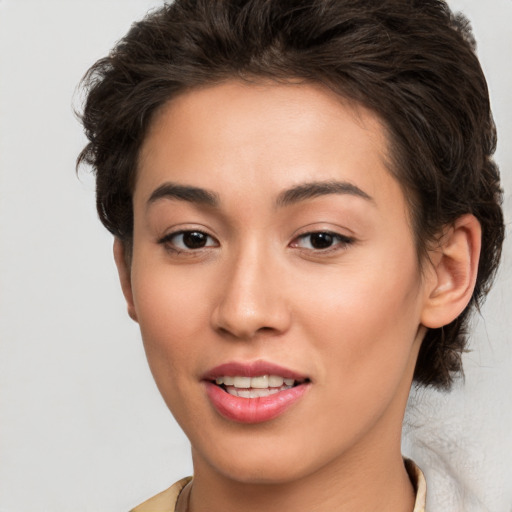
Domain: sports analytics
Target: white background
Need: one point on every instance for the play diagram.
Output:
(82, 426)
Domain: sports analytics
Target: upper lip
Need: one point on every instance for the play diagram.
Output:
(252, 369)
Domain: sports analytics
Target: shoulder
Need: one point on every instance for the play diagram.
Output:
(164, 501)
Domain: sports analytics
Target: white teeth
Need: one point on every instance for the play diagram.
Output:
(254, 392)
(260, 382)
(242, 382)
(274, 381)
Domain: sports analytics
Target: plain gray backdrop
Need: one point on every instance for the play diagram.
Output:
(82, 426)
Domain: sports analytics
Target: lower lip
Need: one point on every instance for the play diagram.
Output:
(253, 410)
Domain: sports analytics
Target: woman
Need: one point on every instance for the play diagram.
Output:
(299, 194)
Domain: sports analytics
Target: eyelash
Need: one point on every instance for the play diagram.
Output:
(342, 241)
(167, 241)
(334, 240)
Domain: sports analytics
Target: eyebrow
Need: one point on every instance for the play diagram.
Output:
(187, 193)
(319, 188)
(288, 197)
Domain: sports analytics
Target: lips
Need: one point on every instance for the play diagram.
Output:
(254, 392)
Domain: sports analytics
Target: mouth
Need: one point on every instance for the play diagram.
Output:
(256, 387)
(254, 392)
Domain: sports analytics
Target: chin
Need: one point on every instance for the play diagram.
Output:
(268, 473)
(265, 463)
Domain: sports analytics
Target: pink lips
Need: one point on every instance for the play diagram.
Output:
(253, 410)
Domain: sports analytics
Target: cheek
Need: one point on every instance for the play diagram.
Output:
(367, 314)
(173, 314)
(364, 330)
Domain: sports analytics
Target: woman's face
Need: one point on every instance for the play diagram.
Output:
(271, 240)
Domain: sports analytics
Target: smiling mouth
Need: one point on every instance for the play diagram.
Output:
(256, 387)
(254, 392)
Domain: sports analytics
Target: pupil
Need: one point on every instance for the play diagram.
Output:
(194, 239)
(321, 240)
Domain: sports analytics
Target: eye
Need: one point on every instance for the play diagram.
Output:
(188, 240)
(321, 241)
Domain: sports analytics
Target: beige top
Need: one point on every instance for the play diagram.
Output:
(166, 500)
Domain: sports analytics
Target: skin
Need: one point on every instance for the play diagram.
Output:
(351, 316)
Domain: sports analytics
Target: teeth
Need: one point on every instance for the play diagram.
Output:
(242, 382)
(254, 392)
(260, 382)
(274, 381)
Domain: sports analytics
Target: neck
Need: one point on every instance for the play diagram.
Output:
(356, 482)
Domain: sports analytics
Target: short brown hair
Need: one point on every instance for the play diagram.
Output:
(410, 61)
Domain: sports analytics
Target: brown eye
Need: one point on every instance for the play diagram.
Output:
(189, 240)
(321, 240)
(194, 239)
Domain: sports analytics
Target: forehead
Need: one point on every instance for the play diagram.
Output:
(264, 136)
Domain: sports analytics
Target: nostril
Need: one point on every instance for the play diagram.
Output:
(245, 332)
(266, 329)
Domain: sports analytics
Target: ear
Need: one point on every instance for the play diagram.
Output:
(452, 276)
(124, 270)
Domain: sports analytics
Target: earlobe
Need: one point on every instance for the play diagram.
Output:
(453, 273)
(124, 271)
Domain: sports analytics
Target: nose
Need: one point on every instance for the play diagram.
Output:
(252, 299)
